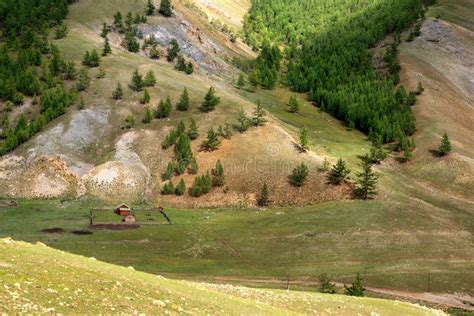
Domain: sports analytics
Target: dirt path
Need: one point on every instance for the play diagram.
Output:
(440, 300)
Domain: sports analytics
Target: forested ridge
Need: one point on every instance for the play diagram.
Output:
(30, 66)
(327, 48)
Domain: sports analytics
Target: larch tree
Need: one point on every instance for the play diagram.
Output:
(210, 101)
(259, 114)
(445, 146)
(304, 143)
(366, 180)
(183, 103)
(339, 172)
(166, 8)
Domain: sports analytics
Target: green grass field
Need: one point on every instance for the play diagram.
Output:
(417, 251)
(37, 279)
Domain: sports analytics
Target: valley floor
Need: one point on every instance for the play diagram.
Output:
(416, 237)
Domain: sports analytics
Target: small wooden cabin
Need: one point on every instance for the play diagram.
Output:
(123, 210)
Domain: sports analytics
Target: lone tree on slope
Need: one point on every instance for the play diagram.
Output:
(445, 146)
(366, 180)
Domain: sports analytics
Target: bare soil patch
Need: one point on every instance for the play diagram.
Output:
(55, 230)
(114, 226)
(82, 232)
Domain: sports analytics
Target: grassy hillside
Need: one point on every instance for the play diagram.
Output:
(38, 279)
(427, 250)
(456, 11)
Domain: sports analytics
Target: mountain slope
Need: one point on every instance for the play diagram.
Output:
(38, 279)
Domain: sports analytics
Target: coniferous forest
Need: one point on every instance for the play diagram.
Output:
(327, 50)
(30, 66)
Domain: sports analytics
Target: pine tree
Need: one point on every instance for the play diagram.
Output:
(150, 79)
(183, 104)
(180, 188)
(299, 175)
(131, 43)
(105, 30)
(70, 72)
(95, 58)
(84, 80)
(325, 284)
(377, 153)
(212, 142)
(168, 188)
(356, 289)
(148, 116)
(193, 167)
(243, 122)
(202, 185)
(304, 144)
(294, 104)
(165, 8)
(150, 8)
(164, 109)
(118, 21)
(137, 81)
(101, 73)
(445, 146)
(259, 114)
(339, 172)
(218, 177)
(210, 101)
(173, 51)
(118, 92)
(181, 128)
(168, 173)
(182, 152)
(145, 99)
(224, 132)
(241, 81)
(129, 121)
(107, 49)
(193, 131)
(155, 52)
(189, 68)
(253, 79)
(366, 180)
(180, 63)
(263, 199)
(86, 60)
